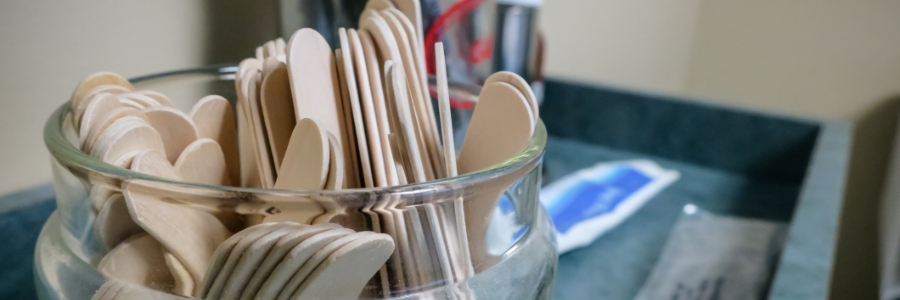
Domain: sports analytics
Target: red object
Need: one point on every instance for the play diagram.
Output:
(458, 10)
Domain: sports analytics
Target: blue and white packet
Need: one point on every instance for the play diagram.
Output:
(586, 204)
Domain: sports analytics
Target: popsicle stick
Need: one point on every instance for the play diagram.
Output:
(245, 66)
(214, 119)
(123, 136)
(352, 265)
(254, 111)
(373, 135)
(519, 83)
(278, 253)
(99, 107)
(379, 5)
(137, 260)
(408, 138)
(191, 235)
(307, 161)
(95, 80)
(295, 259)
(373, 67)
(108, 119)
(113, 223)
(417, 76)
(335, 179)
(220, 256)
(157, 96)
(362, 141)
(315, 260)
(413, 10)
(250, 175)
(278, 111)
(352, 168)
(312, 71)
(141, 99)
(280, 47)
(176, 129)
(203, 162)
(250, 259)
(462, 257)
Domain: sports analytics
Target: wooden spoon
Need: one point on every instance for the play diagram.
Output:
(78, 112)
(143, 100)
(108, 119)
(138, 260)
(250, 259)
(113, 224)
(95, 80)
(119, 290)
(345, 272)
(176, 129)
(157, 96)
(203, 162)
(124, 136)
(94, 112)
(214, 118)
(315, 260)
(520, 84)
(190, 234)
(220, 257)
(306, 164)
(152, 162)
(184, 283)
(278, 253)
(296, 258)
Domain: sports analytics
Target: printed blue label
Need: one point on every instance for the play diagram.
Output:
(588, 199)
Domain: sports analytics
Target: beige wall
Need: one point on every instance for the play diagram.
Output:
(47, 47)
(640, 44)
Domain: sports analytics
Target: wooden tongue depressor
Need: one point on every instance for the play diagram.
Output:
(214, 119)
(312, 69)
(95, 80)
(295, 259)
(345, 272)
(203, 162)
(250, 258)
(305, 166)
(138, 260)
(113, 224)
(159, 97)
(123, 136)
(502, 122)
(190, 234)
(184, 283)
(95, 110)
(107, 120)
(220, 256)
(120, 290)
(314, 261)
(174, 127)
(349, 76)
(461, 260)
(520, 84)
(278, 253)
(278, 111)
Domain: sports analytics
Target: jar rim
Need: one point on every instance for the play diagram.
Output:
(73, 158)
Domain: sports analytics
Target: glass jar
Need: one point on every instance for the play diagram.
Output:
(514, 257)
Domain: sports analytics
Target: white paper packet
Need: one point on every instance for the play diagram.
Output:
(586, 204)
